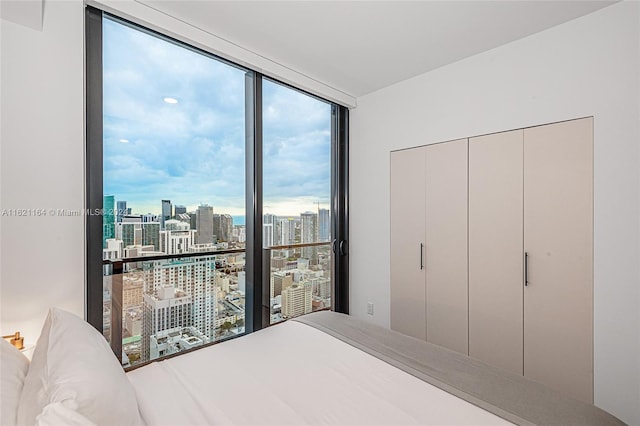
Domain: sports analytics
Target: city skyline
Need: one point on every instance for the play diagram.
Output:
(194, 148)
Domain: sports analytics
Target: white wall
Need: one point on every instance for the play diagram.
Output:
(589, 66)
(41, 167)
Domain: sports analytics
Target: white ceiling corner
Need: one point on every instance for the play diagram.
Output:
(28, 13)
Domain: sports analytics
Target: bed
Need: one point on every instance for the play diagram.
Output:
(320, 369)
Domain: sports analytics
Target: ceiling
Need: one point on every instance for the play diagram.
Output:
(359, 47)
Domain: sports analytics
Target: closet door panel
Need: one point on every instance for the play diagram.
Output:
(407, 235)
(495, 250)
(446, 245)
(558, 206)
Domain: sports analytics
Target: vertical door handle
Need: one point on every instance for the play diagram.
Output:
(526, 268)
(342, 248)
(421, 256)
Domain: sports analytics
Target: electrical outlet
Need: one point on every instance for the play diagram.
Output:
(370, 308)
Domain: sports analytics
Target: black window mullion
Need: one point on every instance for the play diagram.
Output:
(340, 207)
(93, 166)
(255, 306)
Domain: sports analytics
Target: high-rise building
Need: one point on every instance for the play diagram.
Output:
(223, 227)
(108, 219)
(281, 281)
(129, 232)
(121, 210)
(150, 217)
(177, 241)
(151, 235)
(113, 250)
(176, 225)
(296, 300)
(268, 230)
(322, 287)
(309, 234)
(324, 225)
(165, 310)
(166, 212)
(179, 210)
(204, 224)
(285, 231)
(193, 276)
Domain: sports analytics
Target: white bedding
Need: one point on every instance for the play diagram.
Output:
(292, 374)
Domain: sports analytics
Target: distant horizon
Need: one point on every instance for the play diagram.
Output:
(238, 219)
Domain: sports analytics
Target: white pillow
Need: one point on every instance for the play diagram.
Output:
(72, 361)
(13, 369)
(62, 413)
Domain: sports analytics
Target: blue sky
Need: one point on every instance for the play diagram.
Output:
(193, 152)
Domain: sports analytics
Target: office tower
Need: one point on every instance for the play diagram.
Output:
(296, 300)
(309, 234)
(268, 230)
(223, 226)
(193, 220)
(130, 230)
(179, 210)
(108, 219)
(204, 224)
(151, 235)
(324, 225)
(121, 210)
(166, 212)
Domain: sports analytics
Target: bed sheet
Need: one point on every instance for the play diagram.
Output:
(292, 374)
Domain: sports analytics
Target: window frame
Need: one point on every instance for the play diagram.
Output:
(257, 295)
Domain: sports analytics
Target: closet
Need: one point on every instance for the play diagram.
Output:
(497, 232)
(429, 243)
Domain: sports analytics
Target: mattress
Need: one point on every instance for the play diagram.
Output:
(293, 374)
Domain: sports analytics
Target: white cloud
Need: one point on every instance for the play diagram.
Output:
(193, 152)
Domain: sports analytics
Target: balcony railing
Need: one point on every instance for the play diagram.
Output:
(159, 305)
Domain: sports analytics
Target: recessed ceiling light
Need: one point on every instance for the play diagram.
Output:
(170, 100)
(124, 140)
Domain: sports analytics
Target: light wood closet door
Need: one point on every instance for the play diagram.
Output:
(495, 249)
(407, 242)
(446, 247)
(558, 238)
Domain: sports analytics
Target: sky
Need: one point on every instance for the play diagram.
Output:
(193, 152)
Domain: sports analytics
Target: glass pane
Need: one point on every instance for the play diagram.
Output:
(297, 200)
(174, 184)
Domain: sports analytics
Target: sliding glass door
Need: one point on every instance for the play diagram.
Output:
(297, 232)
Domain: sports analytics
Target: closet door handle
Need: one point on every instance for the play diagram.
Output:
(421, 256)
(526, 268)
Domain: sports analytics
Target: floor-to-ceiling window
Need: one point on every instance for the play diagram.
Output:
(297, 230)
(221, 193)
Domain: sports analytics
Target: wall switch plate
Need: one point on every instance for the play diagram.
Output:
(370, 308)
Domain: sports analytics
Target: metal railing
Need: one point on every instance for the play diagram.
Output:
(315, 271)
(115, 270)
